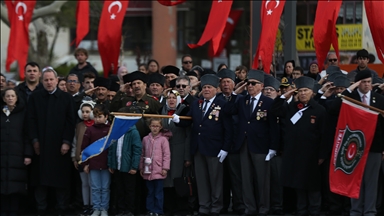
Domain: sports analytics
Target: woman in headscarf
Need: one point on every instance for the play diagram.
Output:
(180, 148)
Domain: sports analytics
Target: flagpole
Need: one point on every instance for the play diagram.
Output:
(361, 104)
(148, 115)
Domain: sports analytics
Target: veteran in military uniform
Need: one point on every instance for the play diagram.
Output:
(304, 144)
(139, 103)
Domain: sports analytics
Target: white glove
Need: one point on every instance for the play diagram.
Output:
(222, 155)
(176, 118)
(270, 155)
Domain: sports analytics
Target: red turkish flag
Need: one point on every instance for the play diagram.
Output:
(82, 17)
(216, 23)
(353, 139)
(375, 16)
(324, 29)
(232, 20)
(109, 36)
(19, 15)
(171, 2)
(270, 19)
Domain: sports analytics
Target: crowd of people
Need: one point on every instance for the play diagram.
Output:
(255, 144)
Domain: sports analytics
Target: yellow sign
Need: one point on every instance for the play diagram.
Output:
(350, 37)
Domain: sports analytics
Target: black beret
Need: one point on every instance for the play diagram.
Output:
(272, 82)
(114, 86)
(362, 75)
(191, 73)
(102, 82)
(226, 73)
(341, 81)
(210, 79)
(256, 74)
(332, 69)
(305, 82)
(171, 69)
(362, 53)
(156, 78)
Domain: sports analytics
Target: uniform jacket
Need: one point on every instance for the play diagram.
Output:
(51, 121)
(209, 136)
(156, 148)
(260, 133)
(14, 148)
(91, 135)
(304, 143)
(130, 152)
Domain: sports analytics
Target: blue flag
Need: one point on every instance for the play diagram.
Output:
(120, 126)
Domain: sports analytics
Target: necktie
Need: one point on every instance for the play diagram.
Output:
(251, 105)
(365, 99)
(205, 107)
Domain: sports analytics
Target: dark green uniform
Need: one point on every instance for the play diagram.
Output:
(146, 105)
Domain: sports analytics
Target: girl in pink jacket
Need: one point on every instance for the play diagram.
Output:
(154, 165)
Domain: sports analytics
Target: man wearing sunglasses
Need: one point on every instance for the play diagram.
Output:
(257, 143)
(183, 86)
(186, 64)
(332, 60)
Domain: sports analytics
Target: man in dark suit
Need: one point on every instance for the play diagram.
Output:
(232, 171)
(361, 90)
(183, 86)
(211, 140)
(257, 143)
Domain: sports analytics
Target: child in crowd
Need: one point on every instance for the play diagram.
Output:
(97, 166)
(123, 161)
(154, 164)
(85, 114)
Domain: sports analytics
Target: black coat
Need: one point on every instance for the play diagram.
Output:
(304, 143)
(14, 148)
(51, 120)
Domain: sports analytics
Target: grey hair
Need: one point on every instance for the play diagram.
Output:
(49, 69)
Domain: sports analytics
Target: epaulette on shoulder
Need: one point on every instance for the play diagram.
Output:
(151, 96)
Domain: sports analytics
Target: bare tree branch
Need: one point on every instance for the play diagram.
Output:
(48, 10)
(37, 13)
(4, 14)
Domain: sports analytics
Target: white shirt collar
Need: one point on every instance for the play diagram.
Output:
(368, 94)
(257, 97)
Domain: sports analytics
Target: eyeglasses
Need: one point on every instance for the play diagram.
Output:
(72, 81)
(253, 83)
(179, 86)
(332, 60)
(187, 62)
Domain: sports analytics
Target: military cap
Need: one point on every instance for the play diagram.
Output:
(102, 82)
(209, 79)
(170, 69)
(362, 75)
(272, 82)
(256, 74)
(341, 81)
(156, 78)
(332, 69)
(114, 86)
(285, 81)
(136, 75)
(191, 73)
(305, 82)
(331, 77)
(226, 73)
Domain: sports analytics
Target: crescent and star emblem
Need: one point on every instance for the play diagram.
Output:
(118, 3)
(24, 6)
(269, 12)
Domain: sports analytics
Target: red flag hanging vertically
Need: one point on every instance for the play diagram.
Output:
(375, 16)
(324, 29)
(232, 20)
(216, 23)
(353, 139)
(171, 2)
(270, 19)
(19, 15)
(109, 36)
(82, 17)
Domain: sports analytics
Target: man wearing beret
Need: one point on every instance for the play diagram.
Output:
(232, 166)
(140, 102)
(256, 142)
(170, 72)
(304, 124)
(156, 86)
(211, 140)
(361, 90)
(362, 64)
(101, 91)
